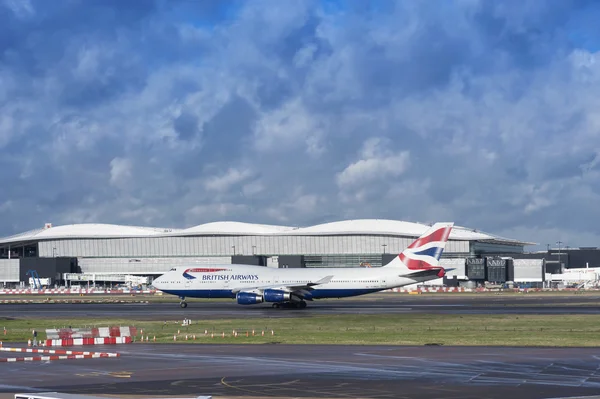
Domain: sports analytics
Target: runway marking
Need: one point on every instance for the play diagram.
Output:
(223, 382)
(121, 374)
(116, 374)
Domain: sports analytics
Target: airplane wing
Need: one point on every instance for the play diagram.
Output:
(298, 289)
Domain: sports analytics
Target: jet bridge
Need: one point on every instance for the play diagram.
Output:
(106, 277)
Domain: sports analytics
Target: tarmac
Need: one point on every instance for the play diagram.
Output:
(319, 371)
(388, 303)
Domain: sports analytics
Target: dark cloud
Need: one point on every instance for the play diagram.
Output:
(179, 112)
(186, 125)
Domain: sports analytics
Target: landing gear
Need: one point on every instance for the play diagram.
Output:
(289, 305)
(183, 303)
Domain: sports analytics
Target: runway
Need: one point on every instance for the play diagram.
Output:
(324, 371)
(376, 304)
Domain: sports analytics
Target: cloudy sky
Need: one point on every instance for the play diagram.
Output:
(175, 113)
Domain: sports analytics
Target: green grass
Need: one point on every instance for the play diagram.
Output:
(505, 330)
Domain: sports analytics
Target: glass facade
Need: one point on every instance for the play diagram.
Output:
(366, 260)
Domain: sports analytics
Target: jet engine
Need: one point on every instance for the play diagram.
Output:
(247, 298)
(276, 296)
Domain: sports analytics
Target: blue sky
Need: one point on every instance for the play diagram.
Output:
(175, 113)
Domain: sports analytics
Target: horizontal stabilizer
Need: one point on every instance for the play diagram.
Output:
(439, 272)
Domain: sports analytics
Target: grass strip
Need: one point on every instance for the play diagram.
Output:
(498, 330)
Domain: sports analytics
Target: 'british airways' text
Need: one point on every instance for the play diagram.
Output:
(230, 277)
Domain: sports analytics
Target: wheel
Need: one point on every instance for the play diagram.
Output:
(183, 304)
(276, 305)
(302, 305)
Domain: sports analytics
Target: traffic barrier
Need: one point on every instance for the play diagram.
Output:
(430, 289)
(67, 291)
(53, 354)
(95, 332)
(56, 352)
(87, 341)
(47, 358)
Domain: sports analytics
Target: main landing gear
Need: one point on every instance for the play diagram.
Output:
(183, 303)
(289, 305)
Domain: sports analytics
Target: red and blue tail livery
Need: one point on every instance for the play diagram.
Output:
(250, 285)
(425, 253)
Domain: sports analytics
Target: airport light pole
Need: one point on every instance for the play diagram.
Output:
(384, 245)
(233, 246)
(559, 264)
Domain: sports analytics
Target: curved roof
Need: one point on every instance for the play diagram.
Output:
(86, 230)
(234, 228)
(359, 226)
(387, 227)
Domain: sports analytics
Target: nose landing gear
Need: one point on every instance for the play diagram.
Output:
(183, 303)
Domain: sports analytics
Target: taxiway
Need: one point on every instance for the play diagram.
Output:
(378, 304)
(320, 371)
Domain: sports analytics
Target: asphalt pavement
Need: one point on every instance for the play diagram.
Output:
(319, 371)
(376, 304)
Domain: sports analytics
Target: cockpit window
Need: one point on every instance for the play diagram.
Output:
(173, 269)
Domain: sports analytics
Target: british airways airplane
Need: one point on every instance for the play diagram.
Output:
(291, 288)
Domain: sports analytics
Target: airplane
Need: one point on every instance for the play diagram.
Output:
(291, 288)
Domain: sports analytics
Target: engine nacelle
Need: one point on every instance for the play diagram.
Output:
(247, 298)
(276, 296)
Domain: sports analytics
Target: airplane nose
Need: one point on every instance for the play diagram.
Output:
(158, 283)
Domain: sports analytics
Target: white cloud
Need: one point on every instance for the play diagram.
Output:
(376, 163)
(482, 115)
(228, 180)
(21, 8)
(288, 127)
(6, 206)
(253, 188)
(120, 171)
(293, 206)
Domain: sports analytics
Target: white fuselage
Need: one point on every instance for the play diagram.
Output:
(223, 281)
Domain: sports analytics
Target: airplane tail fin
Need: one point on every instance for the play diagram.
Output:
(424, 253)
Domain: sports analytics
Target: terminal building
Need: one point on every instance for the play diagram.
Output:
(102, 252)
